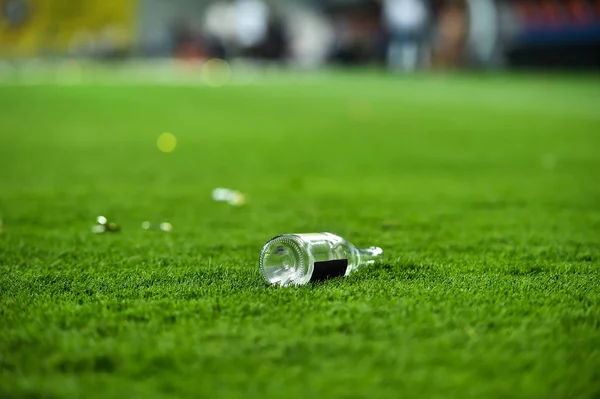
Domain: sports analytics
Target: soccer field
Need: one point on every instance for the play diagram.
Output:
(483, 191)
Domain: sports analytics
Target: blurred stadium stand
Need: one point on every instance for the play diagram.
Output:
(402, 34)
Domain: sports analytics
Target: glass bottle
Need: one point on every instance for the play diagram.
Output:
(296, 259)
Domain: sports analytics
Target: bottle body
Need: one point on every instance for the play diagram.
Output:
(296, 259)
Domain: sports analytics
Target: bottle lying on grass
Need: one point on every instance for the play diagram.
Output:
(297, 259)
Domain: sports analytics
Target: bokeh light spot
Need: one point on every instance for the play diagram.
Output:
(216, 72)
(166, 142)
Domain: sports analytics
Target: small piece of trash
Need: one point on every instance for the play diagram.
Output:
(98, 229)
(232, 197)
(164, 226)
(281, 259)
(237, 199)
(112, 227)
(104, 226)
(221, 194)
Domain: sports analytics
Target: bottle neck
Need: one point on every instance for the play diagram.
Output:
(369, 256)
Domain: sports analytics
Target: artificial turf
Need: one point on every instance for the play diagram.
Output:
(484, 192)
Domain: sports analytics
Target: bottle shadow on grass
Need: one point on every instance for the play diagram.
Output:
(402, 271)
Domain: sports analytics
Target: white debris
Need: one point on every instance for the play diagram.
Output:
(232, 197)
(221, 194)
(98, 229)
(238, 199)
(166, 226)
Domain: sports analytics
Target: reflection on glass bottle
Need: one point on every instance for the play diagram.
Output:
(296, 259)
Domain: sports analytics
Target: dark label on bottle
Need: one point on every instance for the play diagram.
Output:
(329, 269)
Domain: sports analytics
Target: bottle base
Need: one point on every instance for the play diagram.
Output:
(283, 262)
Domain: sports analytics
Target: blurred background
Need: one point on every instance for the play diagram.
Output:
(399, 35)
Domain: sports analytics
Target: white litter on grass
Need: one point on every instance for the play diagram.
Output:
(221, 194)
(232, 197)
(166, 226)
(104, 226)
(238, 199)
(98, 229)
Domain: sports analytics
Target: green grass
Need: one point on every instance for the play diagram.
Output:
(484, 192)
